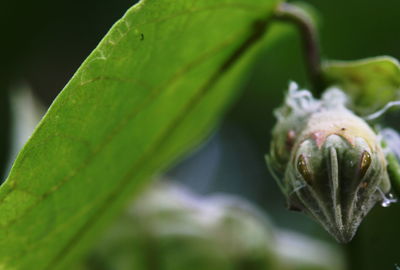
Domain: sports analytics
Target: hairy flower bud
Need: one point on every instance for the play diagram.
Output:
(333, 168)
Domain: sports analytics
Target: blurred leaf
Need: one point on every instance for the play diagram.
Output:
(151, 90)
(371, 83)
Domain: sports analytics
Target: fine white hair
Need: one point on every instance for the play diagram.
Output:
(300, 100)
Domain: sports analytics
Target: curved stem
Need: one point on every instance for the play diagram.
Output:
(297, 16)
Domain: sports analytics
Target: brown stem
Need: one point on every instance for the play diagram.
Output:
(297, 16)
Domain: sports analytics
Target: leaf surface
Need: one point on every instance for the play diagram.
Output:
(153, 88)
(371, 83)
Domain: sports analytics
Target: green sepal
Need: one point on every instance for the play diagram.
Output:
(370, 83)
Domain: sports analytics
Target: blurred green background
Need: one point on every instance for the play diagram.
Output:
(44, 42)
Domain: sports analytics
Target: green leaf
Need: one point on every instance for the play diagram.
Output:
(153, 88)
(371, 83)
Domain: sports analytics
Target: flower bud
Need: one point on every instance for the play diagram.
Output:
(335, 170)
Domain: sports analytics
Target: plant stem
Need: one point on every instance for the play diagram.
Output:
(297, 16)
